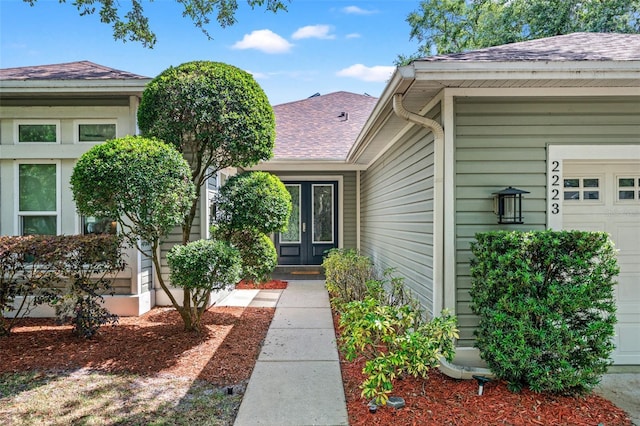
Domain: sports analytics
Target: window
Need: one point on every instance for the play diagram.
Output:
(213, 185)
(37, 131)
(581, 189)
(628, 188)
(95, 130)
(98, 225)
(38, 198)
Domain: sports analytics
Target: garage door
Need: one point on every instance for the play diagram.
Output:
(605, 196)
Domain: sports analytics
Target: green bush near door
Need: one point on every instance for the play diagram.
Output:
(546, 305)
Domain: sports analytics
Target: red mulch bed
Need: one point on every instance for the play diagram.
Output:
(441, 400)
(269, 285)
(224, 353)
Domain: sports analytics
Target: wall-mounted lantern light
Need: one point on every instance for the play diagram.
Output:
(507, 204)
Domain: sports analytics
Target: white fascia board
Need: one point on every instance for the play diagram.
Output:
(73, 86)
(310, 165)
(524, 70)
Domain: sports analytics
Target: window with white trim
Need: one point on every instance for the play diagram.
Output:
(38, 198)
(94, 130)
(92, 225)
(628, 188)
(581, 188)
(37, 131)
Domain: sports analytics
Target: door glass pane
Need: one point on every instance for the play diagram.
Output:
(292, 234)
(626, 182)
(37, 187)
(322, 213)
(38, 225)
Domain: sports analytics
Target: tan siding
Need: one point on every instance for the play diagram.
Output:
(397, 213)
(501, 142)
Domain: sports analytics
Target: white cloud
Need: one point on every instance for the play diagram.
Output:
(353, 35)
(313, 31)
(264, 40)
(355, 10)
(376, 73)
(258, 75)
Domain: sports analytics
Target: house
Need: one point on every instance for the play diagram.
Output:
(556, 117)
(49, 116)
(409, 178)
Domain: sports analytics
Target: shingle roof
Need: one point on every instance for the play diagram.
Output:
(320, 127)
(81, 70)
(570, 47)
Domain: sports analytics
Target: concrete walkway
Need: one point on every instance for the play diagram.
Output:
(296, 380)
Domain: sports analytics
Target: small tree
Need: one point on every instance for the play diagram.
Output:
(143, 184)
(203, 266)
(250, 206)
(215, 114)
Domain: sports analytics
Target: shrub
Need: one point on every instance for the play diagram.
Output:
(23, 274)
(68, 272)
(546, 307)
(249, 206)
(87, 263)
(347, 274)
(203, 266)
(383, 323)
(258, 254)
(394, 341)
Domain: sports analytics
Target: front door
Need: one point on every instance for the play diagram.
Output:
(313, 226)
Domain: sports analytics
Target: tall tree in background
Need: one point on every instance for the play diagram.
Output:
(133, 25)
(448, 26)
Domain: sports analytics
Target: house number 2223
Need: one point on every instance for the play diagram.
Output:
(554, 189)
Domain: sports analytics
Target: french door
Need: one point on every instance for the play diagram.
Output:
(313, 225)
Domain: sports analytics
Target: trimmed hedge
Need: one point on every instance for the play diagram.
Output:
(546, 305)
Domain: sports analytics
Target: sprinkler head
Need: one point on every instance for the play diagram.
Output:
(482, 380)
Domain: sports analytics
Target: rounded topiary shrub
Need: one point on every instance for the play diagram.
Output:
(546, 305)
(258, 253)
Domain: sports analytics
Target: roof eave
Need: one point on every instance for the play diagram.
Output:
(74, 86)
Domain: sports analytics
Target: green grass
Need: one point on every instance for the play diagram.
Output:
(91, 398)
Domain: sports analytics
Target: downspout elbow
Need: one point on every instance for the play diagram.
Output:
(426, 122)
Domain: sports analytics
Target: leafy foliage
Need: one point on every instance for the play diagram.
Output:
(203, 266)
(145, 185)
(256, 201)
(134, 24)
(215, 114)
(382, 322)
(250, 206)
(546, 307)
(347, 274)
(448, 26)
(142, 183)
(71, 273)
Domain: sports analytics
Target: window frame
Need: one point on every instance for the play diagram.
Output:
(35, 122)
(77, 123)
(19, 214)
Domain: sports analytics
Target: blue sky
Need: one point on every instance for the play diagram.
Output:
(317, 46)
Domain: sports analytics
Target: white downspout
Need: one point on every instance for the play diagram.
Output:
(451, 370)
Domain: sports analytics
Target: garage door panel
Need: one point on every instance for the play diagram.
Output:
(621, 219)
(627, 344)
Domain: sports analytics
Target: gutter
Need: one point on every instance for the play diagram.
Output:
(452, 370)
